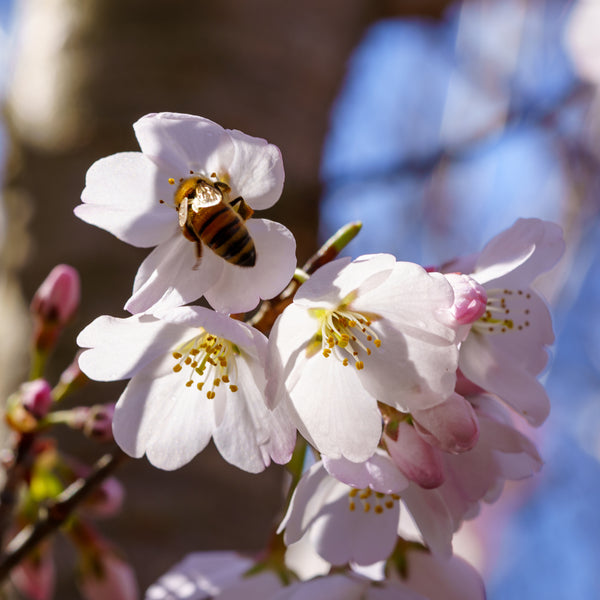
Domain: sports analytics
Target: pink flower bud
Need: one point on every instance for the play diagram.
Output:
(451, 426)
(36, 397)
(53, 306)
(109, 577)
(98, 423)
(57, 298)
(35, 576)
(470, 299)
(419, 461)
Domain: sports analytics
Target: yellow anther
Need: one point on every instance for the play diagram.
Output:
(225, 379)
(360, 364)
(377, 343)
(352, 506)
(200, 385)
(177, 355)
(365, 494)
(210, 394)
(233, 388)
(352, 492)
(217, 382)
(177, 368)
(188, 361)
(389, 504)
(378, 509)
(367, 507)
(171, 181)
(189, 383)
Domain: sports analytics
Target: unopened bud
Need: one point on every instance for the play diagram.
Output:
(30, 404)
(470, 298)
(54, 305)
(98, 422)
(36, 397)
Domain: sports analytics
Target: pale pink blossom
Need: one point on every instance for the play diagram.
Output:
(218, 575)
(131, 194)
(195, 374)
(506, 349)
(358, 333)
(35, 575)
(109, 577)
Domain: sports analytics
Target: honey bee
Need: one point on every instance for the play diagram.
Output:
(207, 217)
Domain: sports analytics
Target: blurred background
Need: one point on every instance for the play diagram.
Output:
(435, 123)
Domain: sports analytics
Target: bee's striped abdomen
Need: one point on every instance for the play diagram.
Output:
(225, 233)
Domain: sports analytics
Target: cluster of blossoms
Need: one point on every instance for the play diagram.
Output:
(404, 380)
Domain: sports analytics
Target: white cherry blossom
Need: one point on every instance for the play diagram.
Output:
(358, 333)
(131, 194)
(195, 373)
(506, 349)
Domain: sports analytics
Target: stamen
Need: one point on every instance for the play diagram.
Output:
(504, 312)
(377, 501)
(210, 358)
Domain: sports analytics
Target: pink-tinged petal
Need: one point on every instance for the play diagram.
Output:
(182, 143)
(341, 535)
(311, 493)
(440, 578)
(167, 277)
(198, 575)
(320, 290)
(256, 171)
(333, 410)
(122, 195)
(498, 372)
(240, 289)
(185, 417)
(419, 461)
(452, 426)
(432, 517)
(378, 473)
(470, 299)
(519, 254)
(332, 587)
(530, 333)
(119, 348)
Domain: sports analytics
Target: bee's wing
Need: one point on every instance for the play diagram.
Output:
(206, 195)
(183, 212)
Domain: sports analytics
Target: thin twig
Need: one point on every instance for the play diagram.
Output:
(57, 512)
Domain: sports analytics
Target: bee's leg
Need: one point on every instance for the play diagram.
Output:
(198, 254)
(243, 210)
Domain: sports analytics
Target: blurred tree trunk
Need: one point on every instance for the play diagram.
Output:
(85, 71)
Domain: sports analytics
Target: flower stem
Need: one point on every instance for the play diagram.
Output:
(57, 512)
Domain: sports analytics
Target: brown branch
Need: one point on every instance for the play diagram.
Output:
(56, 513)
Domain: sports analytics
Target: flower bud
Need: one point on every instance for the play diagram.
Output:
(36, 397)
(98, 424)
(54, 305)
(28, 405)
(470, 298)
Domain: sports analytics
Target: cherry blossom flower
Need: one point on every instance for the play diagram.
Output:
(195, 373)
(358, 333)
(132, 195)
(506, 348)
(205, 575)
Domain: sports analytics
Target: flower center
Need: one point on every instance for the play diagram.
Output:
(344, 334)
(506, 310)
(377, 501)
(208, 358)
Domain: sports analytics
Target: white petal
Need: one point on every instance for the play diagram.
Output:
(378, 473)
(164, 419)
(256, 171)
(249, 434)
(361, 536)
(519, 254)
(497, 371)
(334, 410)
(240, 289)
(167, 277)
(119, 348)
(182, 143)
(122, 195)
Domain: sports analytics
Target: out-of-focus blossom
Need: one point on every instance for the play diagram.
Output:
(108, 576)
(218, 575)
(28, 405)
(132, 195)
(582, 40)
(195, 373)
(359, 333)
(35, 575)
